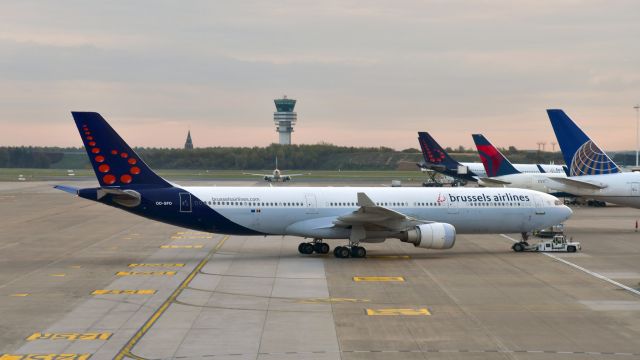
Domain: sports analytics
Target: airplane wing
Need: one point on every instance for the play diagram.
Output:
(572, 181)
(375, 217)
(493, 181)
(290, 175)
(257, 174)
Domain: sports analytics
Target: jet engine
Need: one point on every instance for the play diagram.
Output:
(431, 236)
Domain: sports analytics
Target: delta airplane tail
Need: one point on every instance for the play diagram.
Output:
(581, 154)
(495, 163)
(114, 162)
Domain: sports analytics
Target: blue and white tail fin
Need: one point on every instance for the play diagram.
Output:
(114, 162)
(433, 153)
(495, 163)
(581, 154)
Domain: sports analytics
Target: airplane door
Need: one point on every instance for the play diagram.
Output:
(185, 202)
(311, 204)
(539, 205)
(635, 187)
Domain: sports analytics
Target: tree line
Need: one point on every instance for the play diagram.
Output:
(299, 157)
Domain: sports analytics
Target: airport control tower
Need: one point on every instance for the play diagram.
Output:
(285, 118)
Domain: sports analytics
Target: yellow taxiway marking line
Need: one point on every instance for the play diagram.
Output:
(378, 278)
(58, 275)
(45, 356)
(70, 336)
(181, 246)
(126, 349)
(146, 273)
(330, 300)
(123, 292)
(398, 312)
(20, 294)
(156, 265)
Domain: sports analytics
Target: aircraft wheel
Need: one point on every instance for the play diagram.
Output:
(518, 247)
(324, 248)
(305, 248)
(358, 252)
(341, 252)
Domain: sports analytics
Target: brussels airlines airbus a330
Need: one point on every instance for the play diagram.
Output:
(425, 217)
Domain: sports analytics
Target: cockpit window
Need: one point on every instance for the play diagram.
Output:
(557, 202)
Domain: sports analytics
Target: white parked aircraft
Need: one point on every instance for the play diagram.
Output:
(425, 217)
(593, 174)
(276, 176)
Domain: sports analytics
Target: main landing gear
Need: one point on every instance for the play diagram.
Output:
(353, 251)
(316, 246)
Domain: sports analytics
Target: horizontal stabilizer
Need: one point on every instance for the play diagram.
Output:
(579, 183)
(68, 189)
(128, 198)
(493, 181)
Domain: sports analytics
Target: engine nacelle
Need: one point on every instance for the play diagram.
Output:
(432, 236)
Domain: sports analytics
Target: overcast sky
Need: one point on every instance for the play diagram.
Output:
(365, 73)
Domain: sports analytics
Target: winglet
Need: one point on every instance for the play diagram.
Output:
(364, 200)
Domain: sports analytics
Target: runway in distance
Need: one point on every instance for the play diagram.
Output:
(276, 176)
(592, 173)
(437, 159)
(501, 173)
(425, 217)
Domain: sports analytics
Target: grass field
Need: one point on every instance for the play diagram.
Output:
(385, 176)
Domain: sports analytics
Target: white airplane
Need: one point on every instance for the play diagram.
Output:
(501, 173)
(436, 158)
(425, 217)
(592, 173)
(276, 176)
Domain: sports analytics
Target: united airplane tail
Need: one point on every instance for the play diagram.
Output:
(495, 163)
(581, 154)
(114, 162)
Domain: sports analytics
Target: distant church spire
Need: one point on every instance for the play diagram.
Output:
(188, 144)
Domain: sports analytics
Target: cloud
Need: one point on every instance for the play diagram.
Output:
(362, 72)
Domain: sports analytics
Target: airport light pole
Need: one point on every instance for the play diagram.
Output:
(637, 107)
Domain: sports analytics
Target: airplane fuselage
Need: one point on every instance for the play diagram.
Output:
(619, 188)
(311, 211)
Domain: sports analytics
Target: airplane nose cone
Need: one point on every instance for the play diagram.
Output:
(566, 211)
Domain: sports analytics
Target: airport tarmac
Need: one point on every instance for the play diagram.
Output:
(88, 281)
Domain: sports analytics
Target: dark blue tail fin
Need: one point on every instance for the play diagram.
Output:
(433, 153)
(114, 162)
(581, 154)
(495, 164)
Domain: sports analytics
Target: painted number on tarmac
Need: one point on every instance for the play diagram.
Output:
(155, 265)
(181, 246)
(45, 356)
(70, 336)
(146, 273)
(398, 312)
(123, 292)
(378, 278)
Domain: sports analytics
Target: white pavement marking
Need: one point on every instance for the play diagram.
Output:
(592, 273)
